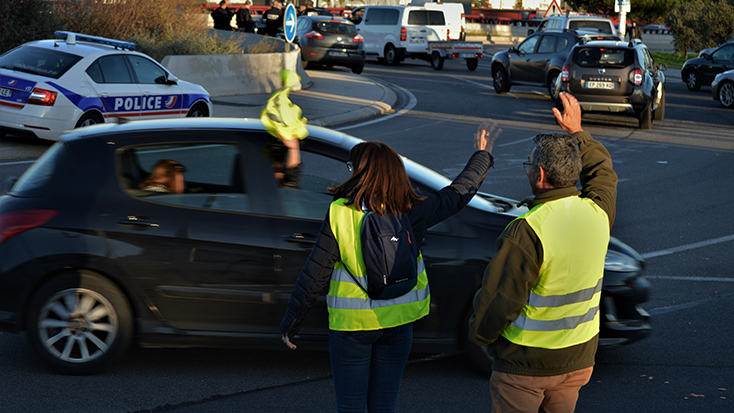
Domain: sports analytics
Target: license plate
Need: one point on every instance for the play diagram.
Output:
(600, 85)
(417, 40)
(339, 54)
(6, 92)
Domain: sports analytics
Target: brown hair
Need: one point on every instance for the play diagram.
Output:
(164, 172)
(378, 181)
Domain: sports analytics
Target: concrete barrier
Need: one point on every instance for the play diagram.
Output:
(241, 74)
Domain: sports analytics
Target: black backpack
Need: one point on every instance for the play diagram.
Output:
(390, 254)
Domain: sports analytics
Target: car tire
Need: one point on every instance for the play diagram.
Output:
(86, 338)
(659, 112)
(726, 94)
(391, 56)
(552, 77)
(472, 64)
(693, 81)
(499, 77)
(646, 117)
(357, 70)
(437, 60)
(198, 111)
(305, 64)
(89, 119)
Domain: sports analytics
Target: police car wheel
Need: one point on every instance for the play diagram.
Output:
(197, 111)
(89, 119)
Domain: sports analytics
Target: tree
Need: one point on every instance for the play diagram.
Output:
(698, 24)
(518, 5)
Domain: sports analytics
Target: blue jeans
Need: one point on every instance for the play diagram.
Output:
(368, 366)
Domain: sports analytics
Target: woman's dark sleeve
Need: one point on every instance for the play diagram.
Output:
(451, 199)
(313, 279)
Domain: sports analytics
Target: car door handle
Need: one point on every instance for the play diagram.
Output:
(300, 238)
(135, 221)
(147, 93)
(105, 94)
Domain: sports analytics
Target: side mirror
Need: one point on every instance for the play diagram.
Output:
(663, 67)
(530, 31)
(707, 56)
(171, 79)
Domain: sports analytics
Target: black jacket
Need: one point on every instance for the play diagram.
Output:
(273, 18)
(222, 17)
(435, 208)
(244, 19)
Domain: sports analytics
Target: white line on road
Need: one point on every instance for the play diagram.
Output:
(473, 82)
(681, 278)
(671, 308)
(688, 247)
(412, 101)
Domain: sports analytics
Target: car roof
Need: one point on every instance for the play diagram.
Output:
(82, 49)
(606, 43)
(328, 18)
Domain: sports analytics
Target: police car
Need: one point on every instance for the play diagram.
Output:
(49, 86)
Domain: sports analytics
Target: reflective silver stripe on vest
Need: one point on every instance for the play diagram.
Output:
(343, 276)
(560, 300)
(567, 323)
(343, 303)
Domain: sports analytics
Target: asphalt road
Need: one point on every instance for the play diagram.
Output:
(673, 207)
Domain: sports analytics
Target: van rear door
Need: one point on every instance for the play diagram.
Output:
(424, 26)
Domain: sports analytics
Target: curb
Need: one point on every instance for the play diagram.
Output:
(382, 106)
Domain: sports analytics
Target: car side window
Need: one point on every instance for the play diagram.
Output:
(147, 71)
(210, 175)
(382, 17)
(563, 44)
(724, 54)
(356, 16)
(528, 46)
(114, 69)
(547, 44)
(302, 24)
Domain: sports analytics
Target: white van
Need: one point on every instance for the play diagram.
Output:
(394, 33)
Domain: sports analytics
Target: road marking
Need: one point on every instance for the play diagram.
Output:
(409, 129)
(688, 247)
(682, 278)
(671, 308)
(412, 101)
(473, 82)
(16, 163)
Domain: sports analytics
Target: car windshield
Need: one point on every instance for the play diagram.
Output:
(38, 61)
(335, 27)
(603, 57)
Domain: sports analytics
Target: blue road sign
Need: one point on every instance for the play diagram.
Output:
(289, 23)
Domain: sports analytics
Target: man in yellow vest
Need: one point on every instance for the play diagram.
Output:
(538, 308)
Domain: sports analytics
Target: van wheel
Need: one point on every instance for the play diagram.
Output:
(472, 64)
(80, 323)
(436, 60)
(391, 55)
(693, 82)
(659, 112)
(501, 83)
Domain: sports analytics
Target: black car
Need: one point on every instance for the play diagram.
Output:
(330, 40)
(91, 262)
(702, 70)
(615, 77)
(538, 60)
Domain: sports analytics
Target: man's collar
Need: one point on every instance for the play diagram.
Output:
(551, 195)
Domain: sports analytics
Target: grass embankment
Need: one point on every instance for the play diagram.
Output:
(672, 59)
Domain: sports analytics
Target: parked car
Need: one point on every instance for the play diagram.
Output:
(615, 77)
(49, 86)
(538, 60)
(656, 29)
(589, 23)
(723, 88)
(329, 41)
(711, 49)
(92, 262)
(700, 71)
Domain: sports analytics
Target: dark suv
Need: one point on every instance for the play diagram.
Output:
(615, 77)
(538, 60)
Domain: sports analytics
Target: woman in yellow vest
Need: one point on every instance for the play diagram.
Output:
(370, 339)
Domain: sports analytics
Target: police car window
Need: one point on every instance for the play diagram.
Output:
(38, 61)
(95, 72)
(211, 175)
(547, 44)
(114, 69)
(147, 71)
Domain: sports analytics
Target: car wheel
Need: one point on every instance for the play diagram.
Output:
(80, 323)
(726, 95)
(391, 55)
(646, 117)
(358, 69)
(198, 111)
(499, 76)
(472, 64)
(659, 112)
(89, 119)
(552, 78)
(692, 81)
(436, 60)
(305, 64)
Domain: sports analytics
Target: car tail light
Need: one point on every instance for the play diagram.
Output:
(403, 34)
(638, 77)
(42, 97)
(313, 34)
(456, 55)
(479, 55)
(564, 73)
(448, 34)
(13, 223)
(358, 39)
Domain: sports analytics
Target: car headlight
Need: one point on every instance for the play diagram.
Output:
(619, 262)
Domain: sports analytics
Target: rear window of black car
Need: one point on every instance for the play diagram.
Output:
(603, 56)
(44, 173)
(38, 61)
(335, 27)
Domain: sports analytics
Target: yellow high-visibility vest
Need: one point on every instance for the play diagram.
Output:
(562, 309)
(350, 308)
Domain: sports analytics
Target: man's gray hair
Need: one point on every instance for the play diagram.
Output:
(558, 154)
